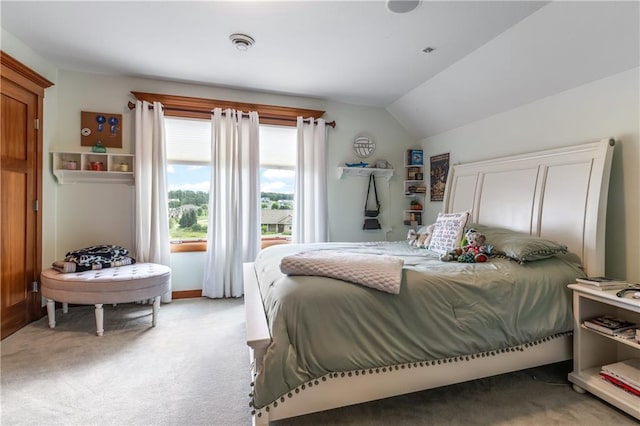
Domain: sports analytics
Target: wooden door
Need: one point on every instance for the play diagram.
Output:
(20, 192)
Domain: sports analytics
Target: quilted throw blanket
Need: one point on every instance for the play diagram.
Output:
(380, 272)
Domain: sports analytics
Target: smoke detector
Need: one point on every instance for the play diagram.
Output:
(402, 6)
(241, 41)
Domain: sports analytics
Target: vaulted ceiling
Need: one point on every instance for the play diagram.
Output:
(488, 56)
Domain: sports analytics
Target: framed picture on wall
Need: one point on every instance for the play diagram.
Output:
(439, 171)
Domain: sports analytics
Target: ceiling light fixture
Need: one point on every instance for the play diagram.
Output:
(428, 49)
(241, 41)
(402, 6)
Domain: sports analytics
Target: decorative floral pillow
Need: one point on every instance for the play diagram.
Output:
(448, 231)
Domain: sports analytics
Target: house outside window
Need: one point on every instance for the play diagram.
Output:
(188, 177)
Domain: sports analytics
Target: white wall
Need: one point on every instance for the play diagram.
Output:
(83, 214)
(30, 58)
(605, 108)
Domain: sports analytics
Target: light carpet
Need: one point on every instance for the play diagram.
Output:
(193, 369)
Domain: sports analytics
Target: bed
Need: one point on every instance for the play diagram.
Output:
(318, 343)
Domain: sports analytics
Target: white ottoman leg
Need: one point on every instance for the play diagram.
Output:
(65, 307)
(99, 319)
(51, 313)
(156, 308)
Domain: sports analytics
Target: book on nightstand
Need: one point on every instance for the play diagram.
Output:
(602, 283)
(608, 324)
(624, 374)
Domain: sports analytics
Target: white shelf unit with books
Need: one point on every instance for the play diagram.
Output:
(414, 188)
(593, 349)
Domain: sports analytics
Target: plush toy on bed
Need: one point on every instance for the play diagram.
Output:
(412, 237)
(474, 249)
(420, 238)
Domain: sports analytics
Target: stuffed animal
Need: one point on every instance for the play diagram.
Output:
(420, 238)
(424, 237)
(412, 237)
(474, 249)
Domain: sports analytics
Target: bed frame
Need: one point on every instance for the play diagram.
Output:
(558, 194)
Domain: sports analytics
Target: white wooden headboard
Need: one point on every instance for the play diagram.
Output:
(558, 194)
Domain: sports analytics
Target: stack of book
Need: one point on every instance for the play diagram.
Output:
(611, 325)
(624, 374)
(602, 283)
(421, 189)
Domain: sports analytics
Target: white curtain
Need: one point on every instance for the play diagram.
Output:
(310, 205)
(233, 234)
(152, 215)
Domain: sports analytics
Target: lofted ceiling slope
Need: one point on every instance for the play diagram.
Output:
(488, 57)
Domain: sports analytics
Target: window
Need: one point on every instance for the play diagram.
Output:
(188, 177)
(277, 178)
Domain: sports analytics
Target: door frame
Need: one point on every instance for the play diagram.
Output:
(13, 70)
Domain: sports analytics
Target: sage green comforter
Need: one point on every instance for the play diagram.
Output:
(320, 325)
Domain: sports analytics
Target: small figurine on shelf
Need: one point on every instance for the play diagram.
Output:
(98, 147)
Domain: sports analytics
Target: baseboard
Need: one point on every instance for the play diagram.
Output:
(186, 294)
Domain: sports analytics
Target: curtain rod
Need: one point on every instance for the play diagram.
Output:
(132, 105)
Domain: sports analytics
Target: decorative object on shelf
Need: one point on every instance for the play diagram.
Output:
(71, 165)
(360, 164)
(415, 157)
(97, 166)
(363, 146)
(103, 127)
(382, 164)
(415, 205)
(124, 167)
(98, 147)
(439, 172)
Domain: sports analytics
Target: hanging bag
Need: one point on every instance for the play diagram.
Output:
(371, 223)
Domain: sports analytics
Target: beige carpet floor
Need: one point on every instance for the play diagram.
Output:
(193, 369)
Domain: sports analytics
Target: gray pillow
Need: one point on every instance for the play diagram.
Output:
(519, 246)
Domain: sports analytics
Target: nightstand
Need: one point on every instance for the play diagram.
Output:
(592, 349)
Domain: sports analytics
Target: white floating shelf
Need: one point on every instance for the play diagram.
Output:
(87, 176)
(344, 171)
(115, 168)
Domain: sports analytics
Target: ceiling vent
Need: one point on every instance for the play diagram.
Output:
(241, 41)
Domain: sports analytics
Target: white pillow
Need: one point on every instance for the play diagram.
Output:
(448, 231)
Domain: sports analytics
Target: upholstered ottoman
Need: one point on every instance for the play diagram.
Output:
(123, 284)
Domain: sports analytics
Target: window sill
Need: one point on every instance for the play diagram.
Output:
(188, 246)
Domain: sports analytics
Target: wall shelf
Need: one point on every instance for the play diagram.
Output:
(76, 167)
(414, 187)
(344, 171)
